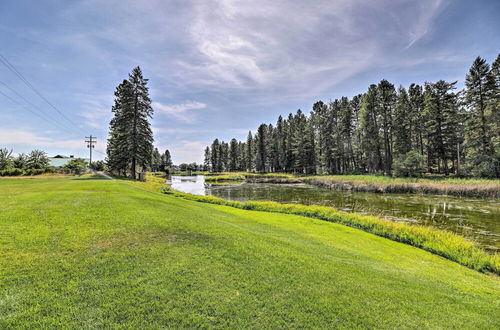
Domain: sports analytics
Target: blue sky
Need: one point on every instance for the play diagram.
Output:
(219, 68)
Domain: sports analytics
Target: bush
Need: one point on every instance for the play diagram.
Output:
(98, 165)
(5, 158)
(412, 164)
(486, 166)
(11, 172)
(34, 171)
(76, 166)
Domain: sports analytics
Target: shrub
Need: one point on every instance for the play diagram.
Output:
(485, 166)
(34, 171)
(11, 172)
(76, 166)
(412, 164)
(98, 165)
(5, 158)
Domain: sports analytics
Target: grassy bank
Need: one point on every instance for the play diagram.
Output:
(442, 243)
(89, 253)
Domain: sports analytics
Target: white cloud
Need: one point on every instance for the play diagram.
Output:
(181, 111)
(24, 141)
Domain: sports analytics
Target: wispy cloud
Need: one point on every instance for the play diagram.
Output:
(428, 11)
(182, 111)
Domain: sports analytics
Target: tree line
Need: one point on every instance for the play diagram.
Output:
(396, 131)
(37, 162)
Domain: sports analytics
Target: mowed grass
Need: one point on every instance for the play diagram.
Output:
(83, 253)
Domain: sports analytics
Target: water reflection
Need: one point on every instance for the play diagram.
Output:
(478, 219)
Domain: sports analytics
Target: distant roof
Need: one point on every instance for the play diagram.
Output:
(61, 161)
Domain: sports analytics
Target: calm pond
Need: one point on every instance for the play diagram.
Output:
(478, 219)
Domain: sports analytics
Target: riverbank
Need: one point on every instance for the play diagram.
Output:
(86, 252)
(479, 188)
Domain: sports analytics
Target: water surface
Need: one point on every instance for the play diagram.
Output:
(477, 219)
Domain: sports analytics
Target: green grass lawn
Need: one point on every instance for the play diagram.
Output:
(98, 253)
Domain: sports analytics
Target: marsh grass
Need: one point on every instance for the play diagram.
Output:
(225, 177)
(443, 243)
(453, 186)
(460, 187)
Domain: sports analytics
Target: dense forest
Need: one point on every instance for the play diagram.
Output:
(396, 131)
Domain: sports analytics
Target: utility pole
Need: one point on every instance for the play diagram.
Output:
(91, 145)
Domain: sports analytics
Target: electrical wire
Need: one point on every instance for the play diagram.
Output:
(13, 69)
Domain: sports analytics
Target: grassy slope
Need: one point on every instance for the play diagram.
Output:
(101, 253)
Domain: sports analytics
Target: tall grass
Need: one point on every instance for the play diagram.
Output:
(453, 187)
(446, 244)
(225, 177)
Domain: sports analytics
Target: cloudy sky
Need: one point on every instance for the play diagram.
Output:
(218, 68)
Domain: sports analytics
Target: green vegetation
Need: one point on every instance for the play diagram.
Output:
(88, 253)
(402, 132)
(227, 177)
(130, 143)
(35, 163)
(443, 243)
(480, 188)
(437, 185)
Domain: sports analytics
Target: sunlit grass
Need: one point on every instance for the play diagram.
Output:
(95, 253)
(440, 242)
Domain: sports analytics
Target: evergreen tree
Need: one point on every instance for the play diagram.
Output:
(346, 130)
(402, 124)
(249, 153)
(442, 123)
(495, 109)
(206, 162)
(416, 95)
(233, 155)
(166, 162)
(140, 134)
(156, 160)
(216, 156)
(118, 153)
(131, 140)
(319, 119)
(370, 139)
(480, 89)
(386, 98)
(260, 148)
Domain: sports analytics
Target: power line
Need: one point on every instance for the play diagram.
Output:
(13, 69)
(33, 105)
(33, 112)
